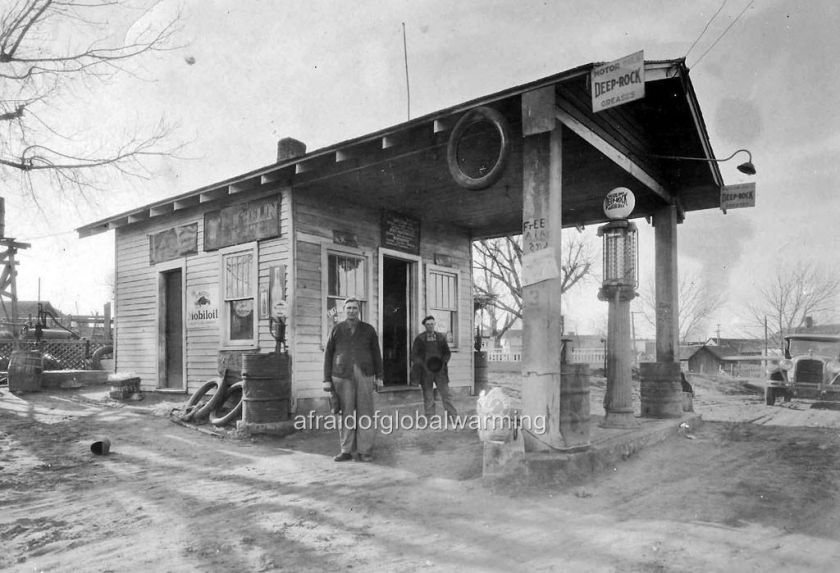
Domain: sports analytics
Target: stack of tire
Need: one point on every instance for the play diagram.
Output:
(216, 401)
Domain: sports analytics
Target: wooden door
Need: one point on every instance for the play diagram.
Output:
(173, 331)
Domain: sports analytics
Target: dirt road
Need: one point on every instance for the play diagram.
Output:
(728, 496)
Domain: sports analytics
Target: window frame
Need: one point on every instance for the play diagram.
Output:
(456, 274)
(226, 341)
(328, 249)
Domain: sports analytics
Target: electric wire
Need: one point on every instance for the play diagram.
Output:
(738, 17)
(709, 23)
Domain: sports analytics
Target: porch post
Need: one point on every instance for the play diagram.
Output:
(541, 260)
(667, 283)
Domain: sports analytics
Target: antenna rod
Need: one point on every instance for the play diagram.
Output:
(407, 86)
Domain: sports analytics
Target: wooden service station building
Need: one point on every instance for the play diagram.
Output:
(389, 218)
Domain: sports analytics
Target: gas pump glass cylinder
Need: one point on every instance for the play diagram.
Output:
(621, 254)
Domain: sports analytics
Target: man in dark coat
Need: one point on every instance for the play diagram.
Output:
(353, 363)
(430, 360)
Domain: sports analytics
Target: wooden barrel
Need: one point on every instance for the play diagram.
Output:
(25, 370)
(660, 390)
(574, 406)
(266, 388)
(481, 379)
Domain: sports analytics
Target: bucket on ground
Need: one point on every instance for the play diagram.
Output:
(266, 389)
(25, 370)
(101, 447)
(661, 392)
(574, 406)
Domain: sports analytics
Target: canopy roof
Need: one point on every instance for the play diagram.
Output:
(404, 168)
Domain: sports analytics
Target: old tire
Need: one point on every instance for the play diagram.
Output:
(194, 410)
(770, 396)
(470, 118)
(99, 354)
(219, 417)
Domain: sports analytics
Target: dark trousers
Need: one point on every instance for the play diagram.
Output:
(441, 380)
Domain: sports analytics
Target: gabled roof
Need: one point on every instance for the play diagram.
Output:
(403, 168)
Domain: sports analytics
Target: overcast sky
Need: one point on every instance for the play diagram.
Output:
(325, 71)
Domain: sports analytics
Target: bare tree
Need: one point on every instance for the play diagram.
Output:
(795, 294)
(50, 52)
(698, 298)
(497, 264)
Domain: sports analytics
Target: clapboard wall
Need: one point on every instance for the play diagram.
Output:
(137, 297)
(315, 221)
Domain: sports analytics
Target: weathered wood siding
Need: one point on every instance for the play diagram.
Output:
(137, 299)
(314, 223)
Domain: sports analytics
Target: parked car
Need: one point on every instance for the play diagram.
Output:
(810, 369)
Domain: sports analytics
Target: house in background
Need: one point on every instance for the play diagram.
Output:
(733, 356)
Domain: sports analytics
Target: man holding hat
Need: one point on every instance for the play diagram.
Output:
(430, 359)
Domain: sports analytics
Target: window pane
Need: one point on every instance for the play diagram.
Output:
(238, 270)
(346, 276)
(442, 295)
(241, 313)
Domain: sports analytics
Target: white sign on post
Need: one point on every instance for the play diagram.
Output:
(736, 196)
(618, 82)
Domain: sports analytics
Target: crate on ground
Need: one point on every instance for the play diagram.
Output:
(122, 387)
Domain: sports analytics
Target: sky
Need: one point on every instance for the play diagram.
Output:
(250, 72)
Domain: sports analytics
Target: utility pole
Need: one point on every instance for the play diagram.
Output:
(8, 278)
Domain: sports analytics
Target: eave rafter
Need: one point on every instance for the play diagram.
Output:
(585, 130)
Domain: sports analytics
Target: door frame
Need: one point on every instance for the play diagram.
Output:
(161, 269)
(415, 291)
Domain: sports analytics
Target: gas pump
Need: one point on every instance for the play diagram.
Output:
(277, 325)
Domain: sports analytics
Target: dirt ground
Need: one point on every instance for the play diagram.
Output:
(753, 488)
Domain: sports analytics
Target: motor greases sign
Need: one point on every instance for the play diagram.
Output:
(202, 312)
(618, 82)
(619, 203)
(736, 196)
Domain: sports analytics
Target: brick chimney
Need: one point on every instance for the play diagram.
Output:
(289, 148)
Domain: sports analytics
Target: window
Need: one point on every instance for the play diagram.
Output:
(239, 288)
(346, 277)
(442, 302)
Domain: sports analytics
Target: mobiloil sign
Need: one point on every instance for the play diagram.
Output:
(202, 310)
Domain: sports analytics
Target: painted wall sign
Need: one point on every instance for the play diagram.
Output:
(400, 232)
(444, 260)
(737, 196)
(202, 308)
(535, 234)
(173, 243)
(345, 238)
(242, 223)
(618, 82)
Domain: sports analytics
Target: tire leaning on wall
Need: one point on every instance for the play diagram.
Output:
(217, 417)
(194, 410)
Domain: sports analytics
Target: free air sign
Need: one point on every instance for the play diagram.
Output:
(736, 196)
(618, 82)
